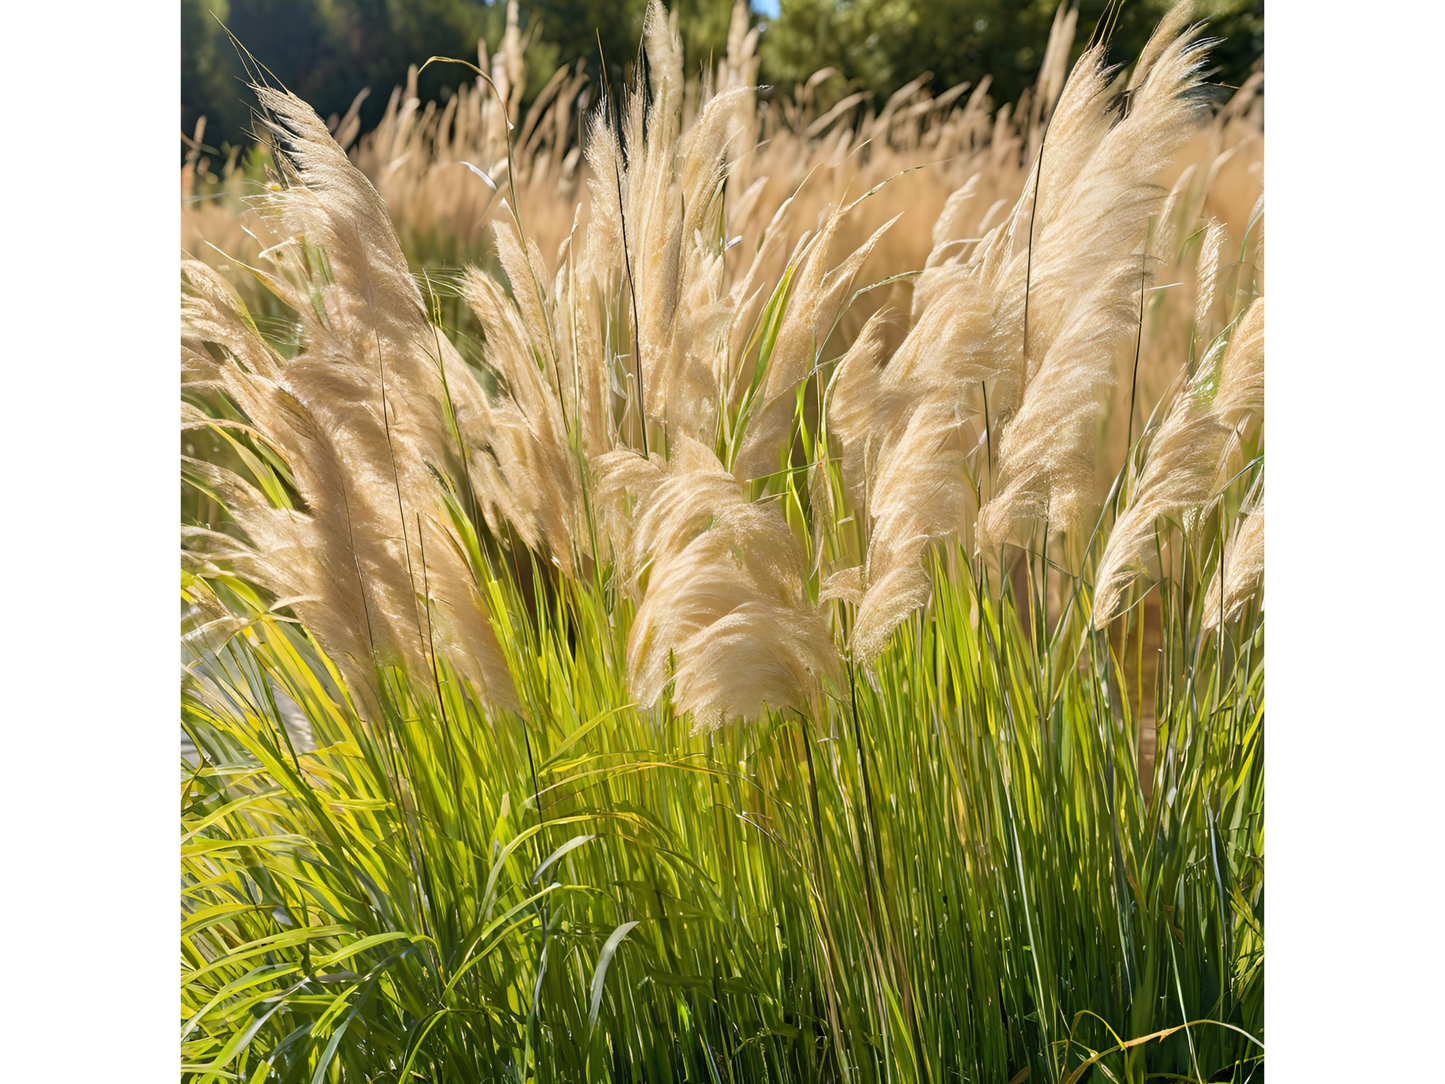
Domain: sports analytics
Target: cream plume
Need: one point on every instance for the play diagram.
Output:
(1182, 473)
(360, 417)
(723, 601)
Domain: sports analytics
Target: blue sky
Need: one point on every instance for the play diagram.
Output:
(766, 7)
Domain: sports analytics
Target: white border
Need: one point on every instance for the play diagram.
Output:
(1354, 955)
(90, 867)
(1354, 958)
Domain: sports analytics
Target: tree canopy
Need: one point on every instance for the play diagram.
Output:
(329, 50)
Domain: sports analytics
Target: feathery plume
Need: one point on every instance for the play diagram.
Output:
(1242, 570)
(1010, 358)
(1182, 473)
(360, 419)
(723, 598)
(1215, 235)
(1046, 452)
(816, 297)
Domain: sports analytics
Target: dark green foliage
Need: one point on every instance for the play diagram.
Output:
(327, 51)
(879, 45)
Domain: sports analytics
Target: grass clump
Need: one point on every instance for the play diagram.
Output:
(654, 690)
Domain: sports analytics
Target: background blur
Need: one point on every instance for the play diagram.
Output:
(327, 51)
